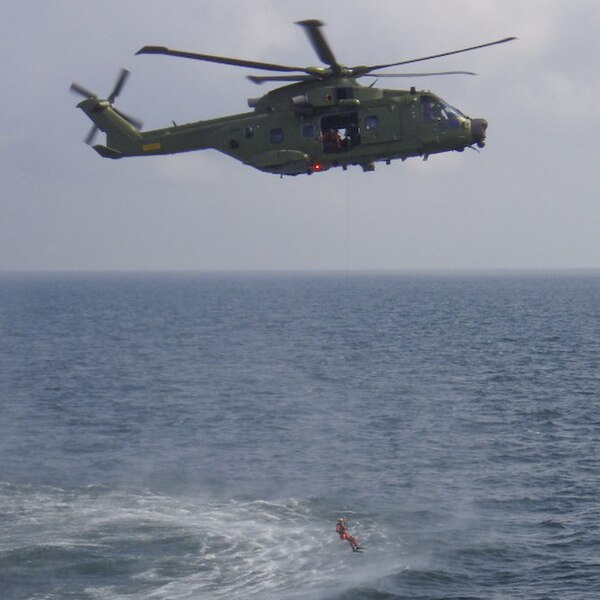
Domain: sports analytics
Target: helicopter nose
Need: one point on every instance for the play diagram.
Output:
(478, 130)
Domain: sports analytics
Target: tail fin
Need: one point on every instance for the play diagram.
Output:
(121, 130)
(122, 137)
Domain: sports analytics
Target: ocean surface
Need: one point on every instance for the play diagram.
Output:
(197, 436)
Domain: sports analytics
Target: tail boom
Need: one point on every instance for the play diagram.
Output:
(124, 139)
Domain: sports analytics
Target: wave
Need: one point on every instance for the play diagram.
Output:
(111, 544)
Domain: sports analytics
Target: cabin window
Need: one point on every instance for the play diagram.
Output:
(371, 122)
(309, 131)
(277, 135)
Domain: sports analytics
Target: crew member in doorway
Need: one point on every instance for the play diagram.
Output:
(345, 535)
(332, 140)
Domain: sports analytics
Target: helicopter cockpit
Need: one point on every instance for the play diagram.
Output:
(436, 110)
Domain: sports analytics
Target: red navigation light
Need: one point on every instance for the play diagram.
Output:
(317, 167)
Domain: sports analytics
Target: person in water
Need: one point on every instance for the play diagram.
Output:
(345, 534)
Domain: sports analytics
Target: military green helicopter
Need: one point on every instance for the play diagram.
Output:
(321, 118)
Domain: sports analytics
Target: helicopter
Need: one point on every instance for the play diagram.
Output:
(321, 118)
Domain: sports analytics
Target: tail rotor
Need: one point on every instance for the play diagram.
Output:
(82, 91)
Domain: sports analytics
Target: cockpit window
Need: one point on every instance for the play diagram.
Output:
(456, 111)
(437, 111)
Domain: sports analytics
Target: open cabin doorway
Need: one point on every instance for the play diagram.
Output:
(340, 132)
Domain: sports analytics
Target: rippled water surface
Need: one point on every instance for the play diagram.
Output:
(197, 436)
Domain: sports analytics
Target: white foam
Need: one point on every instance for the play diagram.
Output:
(188, 548)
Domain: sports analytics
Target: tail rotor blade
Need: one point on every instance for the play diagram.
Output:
(79, 89)
(131, 120)
(91, 135)
(119, 85)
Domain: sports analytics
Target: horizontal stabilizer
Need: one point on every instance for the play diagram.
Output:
(107, 152)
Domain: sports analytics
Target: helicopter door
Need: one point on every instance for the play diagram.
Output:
(340, 133)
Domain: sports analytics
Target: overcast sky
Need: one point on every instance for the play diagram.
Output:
(528, 200)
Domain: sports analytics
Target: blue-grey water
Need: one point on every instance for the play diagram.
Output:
(197, 436)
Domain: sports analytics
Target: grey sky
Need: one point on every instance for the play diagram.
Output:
(528, 200)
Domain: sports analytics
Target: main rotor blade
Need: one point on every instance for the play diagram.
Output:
(79, 89)
(360, 71)
(312, 27)
(237, 62)
(258, 79)
(119, 85)
(419, 74)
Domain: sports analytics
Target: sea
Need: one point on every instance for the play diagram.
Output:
(197, 436)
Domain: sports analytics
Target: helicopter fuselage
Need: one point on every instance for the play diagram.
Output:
(308, 127)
